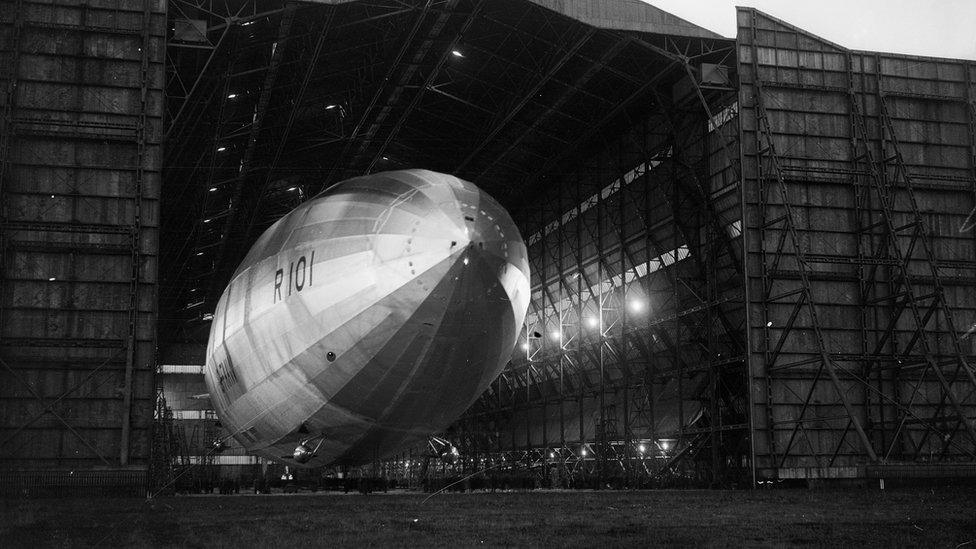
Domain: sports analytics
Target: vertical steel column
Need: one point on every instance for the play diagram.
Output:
(135, 234)
(751, 366)
(862, 216)
(6, 136)
(628, 438)
(544, 292)
(970, 95)
(764, 224)
(676, 154)
(650, 372)
(498, 414)
(894, 307)
(560, 238)
(580, 370)
(706, 227)
(602, 340)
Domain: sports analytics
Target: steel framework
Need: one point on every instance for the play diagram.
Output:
(79, 188)
(858, 177)
(752, 259)
(634, 348)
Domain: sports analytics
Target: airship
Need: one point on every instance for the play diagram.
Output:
(367, 319)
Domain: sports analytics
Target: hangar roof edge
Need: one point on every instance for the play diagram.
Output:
(622, 15)
(627, 15)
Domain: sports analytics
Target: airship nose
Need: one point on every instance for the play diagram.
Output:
(492, 262)
(488, 231)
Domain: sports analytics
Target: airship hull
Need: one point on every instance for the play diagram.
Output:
(368, 318)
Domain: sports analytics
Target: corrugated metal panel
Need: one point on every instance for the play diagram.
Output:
(858, 174)
(79, 183)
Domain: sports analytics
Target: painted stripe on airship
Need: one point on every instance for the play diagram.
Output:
(379, 295)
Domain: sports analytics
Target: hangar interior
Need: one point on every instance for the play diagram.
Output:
(751, 258)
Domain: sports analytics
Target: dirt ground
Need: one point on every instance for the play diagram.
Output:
(938, 517)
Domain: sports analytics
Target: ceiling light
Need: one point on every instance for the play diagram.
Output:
(213, 189)
(232, 96)
(199, 253)
(330, 107)
(52, 279)
(290, 189)
(457, 53)
(592, 322)
(221, 149)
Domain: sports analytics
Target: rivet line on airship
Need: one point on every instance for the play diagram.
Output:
(367, 319)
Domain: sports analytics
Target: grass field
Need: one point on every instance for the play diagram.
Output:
(942, 517)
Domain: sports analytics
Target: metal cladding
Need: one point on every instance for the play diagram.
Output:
(367, 318)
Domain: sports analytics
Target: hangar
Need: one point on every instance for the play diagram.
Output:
(752, 257)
